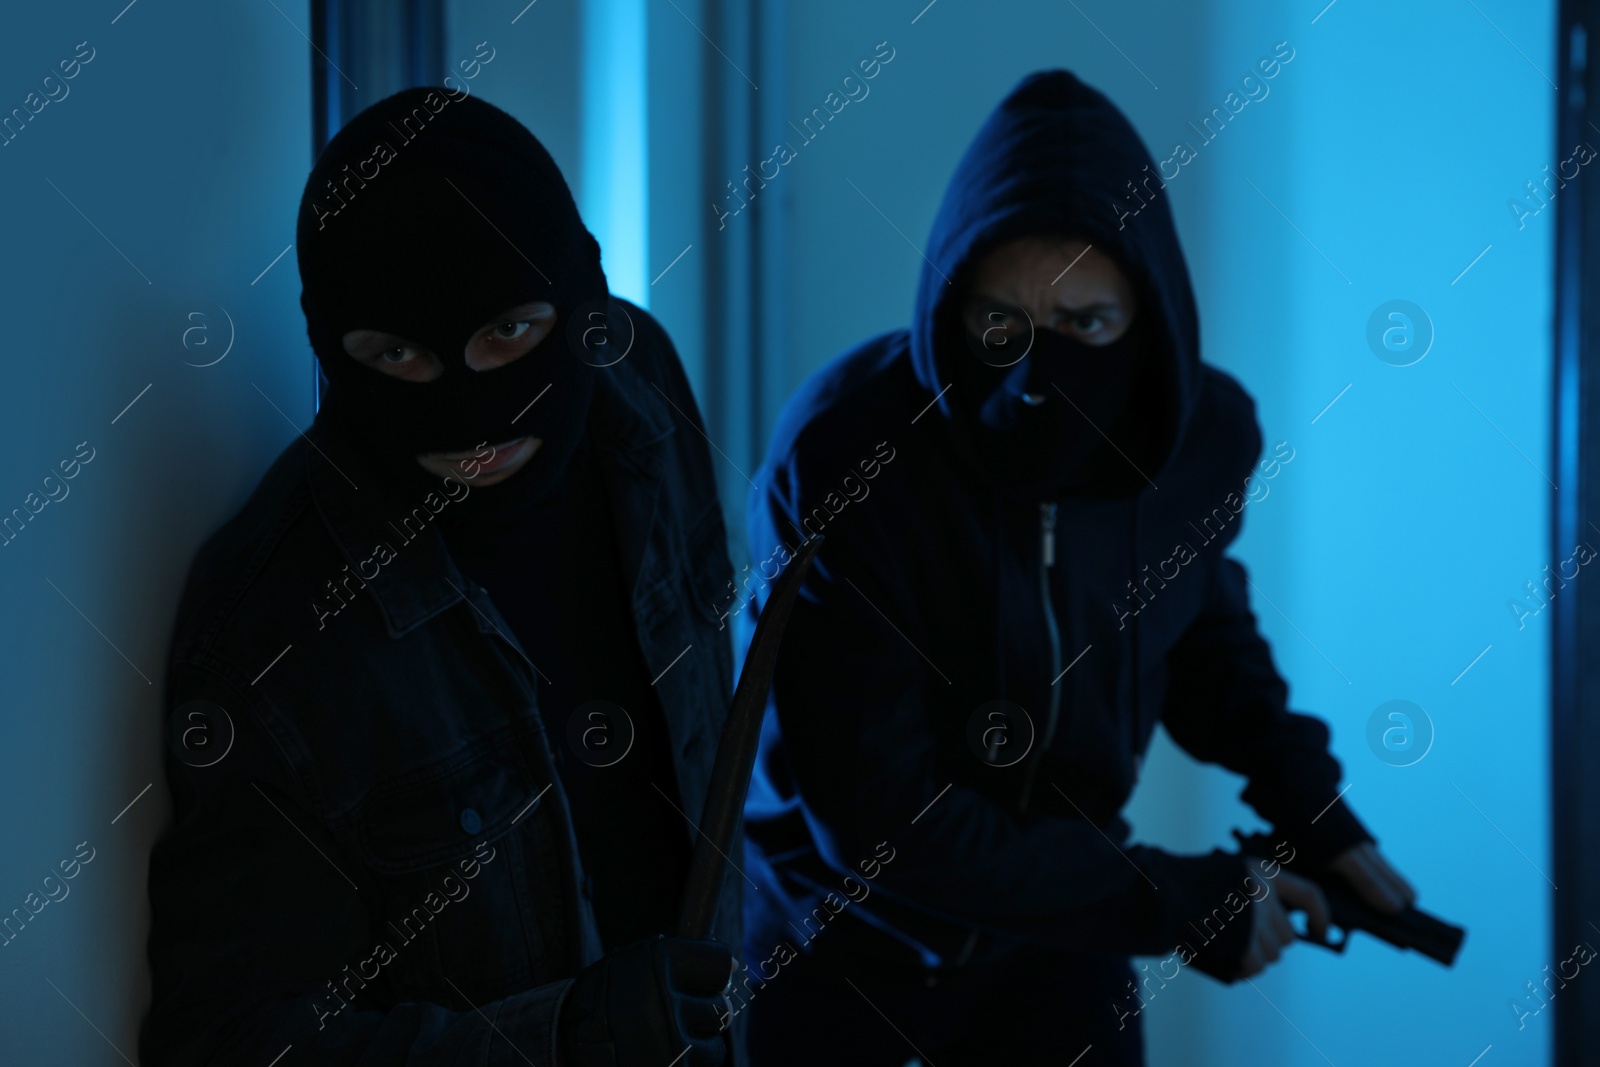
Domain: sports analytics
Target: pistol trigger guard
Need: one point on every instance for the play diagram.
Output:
(1331, 944)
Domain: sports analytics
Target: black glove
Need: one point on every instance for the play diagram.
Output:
(641, 1005)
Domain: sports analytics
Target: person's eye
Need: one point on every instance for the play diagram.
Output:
(1088, 322)
(1003, 323)
(510, 331)
(398, 355)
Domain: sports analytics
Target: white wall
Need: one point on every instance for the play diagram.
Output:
(181, 146)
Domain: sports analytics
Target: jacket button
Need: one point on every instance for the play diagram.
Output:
(471, 822)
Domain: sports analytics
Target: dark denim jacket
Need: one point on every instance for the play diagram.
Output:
(371, 857)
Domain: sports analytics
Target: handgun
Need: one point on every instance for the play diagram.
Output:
(1411, 928)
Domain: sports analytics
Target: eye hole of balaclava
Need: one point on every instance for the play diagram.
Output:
(508, 336)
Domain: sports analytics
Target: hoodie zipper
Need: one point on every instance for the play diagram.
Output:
(1047, 560)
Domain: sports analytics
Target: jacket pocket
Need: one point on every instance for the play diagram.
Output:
(465, 858)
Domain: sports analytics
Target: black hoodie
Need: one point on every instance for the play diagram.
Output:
(1098, 614)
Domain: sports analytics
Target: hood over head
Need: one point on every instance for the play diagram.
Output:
(426, 216)
(1057, 158)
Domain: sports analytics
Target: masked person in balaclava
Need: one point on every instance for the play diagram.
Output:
(491, 560)
(1004, 618)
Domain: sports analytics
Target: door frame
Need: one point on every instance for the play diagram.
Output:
(1575, 516)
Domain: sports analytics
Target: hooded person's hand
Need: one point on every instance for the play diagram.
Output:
(647, 1004)
(1373, 878)
(1270, 929)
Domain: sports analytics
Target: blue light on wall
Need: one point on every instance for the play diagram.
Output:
(614, 171)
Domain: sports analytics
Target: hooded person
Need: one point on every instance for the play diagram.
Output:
(1025, 500)
(515, 530)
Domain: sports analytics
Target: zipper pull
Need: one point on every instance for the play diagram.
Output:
(1047, 533)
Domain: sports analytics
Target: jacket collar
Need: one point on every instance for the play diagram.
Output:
(629, 422)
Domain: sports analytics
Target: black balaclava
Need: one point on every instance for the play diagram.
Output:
(425, 217)
(1090, 436)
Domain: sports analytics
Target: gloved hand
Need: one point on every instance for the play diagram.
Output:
(641, 1005)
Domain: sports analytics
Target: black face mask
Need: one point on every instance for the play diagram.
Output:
(1076, 429)
(427, 216)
